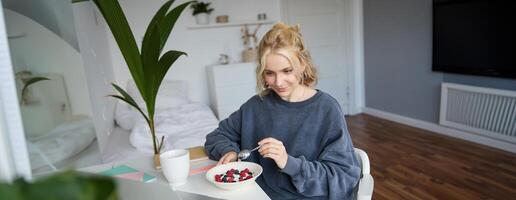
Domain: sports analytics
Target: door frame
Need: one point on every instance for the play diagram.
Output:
(354, 48)
(14, 155)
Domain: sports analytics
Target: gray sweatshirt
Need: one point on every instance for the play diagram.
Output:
(321, 162)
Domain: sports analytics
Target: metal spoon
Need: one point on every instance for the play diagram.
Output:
(245, 153)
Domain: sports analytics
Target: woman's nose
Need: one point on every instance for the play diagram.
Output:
(278, 81)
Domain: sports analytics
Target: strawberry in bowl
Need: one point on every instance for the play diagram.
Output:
(234, 175)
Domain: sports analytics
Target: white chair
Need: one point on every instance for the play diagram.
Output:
(365, 185)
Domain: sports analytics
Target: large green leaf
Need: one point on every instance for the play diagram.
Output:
(168, 23)
(161, 69)
(63, 185)
(124, 37)
(129, 100)
(165, 62)
(159, 16)
(155, 38)
(150, 54)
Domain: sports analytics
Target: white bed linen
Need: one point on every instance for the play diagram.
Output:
(63, 142)
(183, 126)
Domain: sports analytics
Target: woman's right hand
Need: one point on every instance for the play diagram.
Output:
(228, 157)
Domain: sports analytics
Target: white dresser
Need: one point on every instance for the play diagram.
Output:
(230, 86)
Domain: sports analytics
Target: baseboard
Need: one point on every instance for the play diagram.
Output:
(436, 128)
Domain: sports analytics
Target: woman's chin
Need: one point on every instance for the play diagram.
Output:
(283, 94)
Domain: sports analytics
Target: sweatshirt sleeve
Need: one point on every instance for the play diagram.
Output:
(334, 174)
(224, 138)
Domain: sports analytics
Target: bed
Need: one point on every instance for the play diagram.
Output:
(52, 149)
(184, 123)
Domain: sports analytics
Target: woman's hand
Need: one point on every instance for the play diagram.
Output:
(228, 157)
(274, 149)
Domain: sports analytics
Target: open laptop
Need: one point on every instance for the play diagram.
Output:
(133, 190)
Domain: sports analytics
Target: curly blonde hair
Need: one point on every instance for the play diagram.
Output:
(286, 41)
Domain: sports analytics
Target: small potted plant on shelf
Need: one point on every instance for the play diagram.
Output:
(201, 11)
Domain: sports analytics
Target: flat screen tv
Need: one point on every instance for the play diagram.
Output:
(475, 37)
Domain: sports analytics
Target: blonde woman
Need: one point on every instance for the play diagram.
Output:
(306, 151)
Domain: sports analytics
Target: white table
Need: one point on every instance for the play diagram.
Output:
(196, 183)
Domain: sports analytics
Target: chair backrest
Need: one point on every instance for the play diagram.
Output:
(364, 189)
(363, 159)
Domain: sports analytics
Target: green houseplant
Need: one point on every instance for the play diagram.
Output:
(149, 66)
(201, 11)
(63, 185)
(24, 95)
(201, 7)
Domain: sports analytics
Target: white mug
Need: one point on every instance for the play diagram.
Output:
(175, 165)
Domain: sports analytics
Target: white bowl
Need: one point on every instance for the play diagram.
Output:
(222, 169)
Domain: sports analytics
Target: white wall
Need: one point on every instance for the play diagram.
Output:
(202, 45)
(55, 15)
(92, 37)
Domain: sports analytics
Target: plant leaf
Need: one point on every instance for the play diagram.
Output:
(150, 55)
(124, 37)
(154, 72)
(71, 185)
(168, 23)
(30, 82)
(155, 20)
(161, 144)
(165, 62)
(160, 70)
(129, 100)
(150, 44)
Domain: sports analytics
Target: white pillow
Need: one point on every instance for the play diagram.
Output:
(125, 117)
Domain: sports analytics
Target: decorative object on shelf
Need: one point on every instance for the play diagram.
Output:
(262, 16)
(201, 11)
(148, 68)
(251, 44)
(249, 55)
(224, 59)
(222, 19)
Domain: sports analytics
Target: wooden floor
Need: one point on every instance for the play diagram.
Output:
(410, 163)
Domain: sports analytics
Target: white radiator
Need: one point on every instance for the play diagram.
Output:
(485, 111)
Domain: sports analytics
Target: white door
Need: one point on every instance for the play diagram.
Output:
(322, 26)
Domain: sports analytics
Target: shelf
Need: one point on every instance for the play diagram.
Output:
(238, 23)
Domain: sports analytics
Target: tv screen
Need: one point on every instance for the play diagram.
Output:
(475, 37)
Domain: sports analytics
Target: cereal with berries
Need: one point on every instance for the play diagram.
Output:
(233, 176)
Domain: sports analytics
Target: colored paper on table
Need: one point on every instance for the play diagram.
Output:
(201, 169)
(124, 171)
(135, 176)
